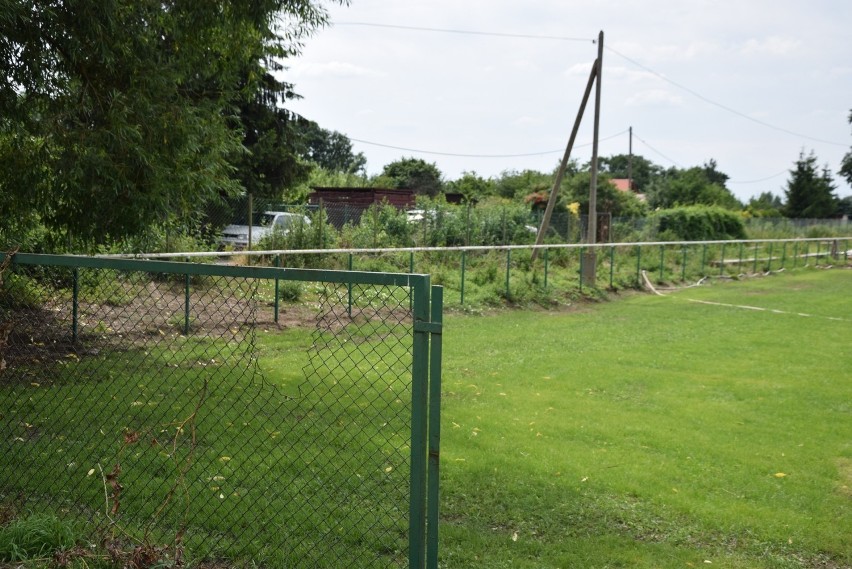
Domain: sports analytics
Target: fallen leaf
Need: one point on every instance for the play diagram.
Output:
(780, 475)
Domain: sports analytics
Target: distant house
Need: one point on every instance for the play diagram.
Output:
(623, 185)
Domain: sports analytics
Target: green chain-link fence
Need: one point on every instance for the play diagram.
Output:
(173, 412)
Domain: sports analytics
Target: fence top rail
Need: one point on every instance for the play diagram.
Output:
(408, 280)
(374, 250)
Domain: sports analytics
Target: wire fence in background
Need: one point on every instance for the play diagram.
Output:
(494, 275)
(165, 406)
(438, 224)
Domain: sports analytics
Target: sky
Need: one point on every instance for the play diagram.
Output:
(489, 86)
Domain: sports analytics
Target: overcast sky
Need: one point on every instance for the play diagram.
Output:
(749, 83)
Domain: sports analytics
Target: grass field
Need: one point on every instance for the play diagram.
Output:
(654, 431)
(711, 426)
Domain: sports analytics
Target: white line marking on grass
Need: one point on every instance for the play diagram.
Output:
(650, 286)
(773, 310)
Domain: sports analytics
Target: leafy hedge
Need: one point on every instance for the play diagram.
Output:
(697, 223)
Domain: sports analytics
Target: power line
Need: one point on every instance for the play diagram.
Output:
(616, 52)
(465, 32)
(654, 149)
(720, 105)
(758, 181)
(767, 178)
(462, 155)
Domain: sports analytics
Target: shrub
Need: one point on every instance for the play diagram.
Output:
(698, 223)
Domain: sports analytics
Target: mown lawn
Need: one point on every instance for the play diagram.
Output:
(653, 431)
(646, 431)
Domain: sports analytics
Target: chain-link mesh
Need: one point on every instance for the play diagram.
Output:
(137, 402)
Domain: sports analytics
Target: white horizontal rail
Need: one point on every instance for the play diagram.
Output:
(376, 250)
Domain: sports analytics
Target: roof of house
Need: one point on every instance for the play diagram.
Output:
(622, 184)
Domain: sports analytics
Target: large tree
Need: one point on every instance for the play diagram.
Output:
(810, 193)
(125, 107)
(330, 150)
(414, 174)
(620, 165)
(471, 186)
(699, 185)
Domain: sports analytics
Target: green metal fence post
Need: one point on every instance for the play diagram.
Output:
(411, 262)
(508, 270)
(277, 264)
(754, 266)
(722, 261)
(611, 265)
(703, 258)
(186, 282)
(683, 265)
(662, 261)
(75, 305)
(432, 499)
(419, 423)
(816, 262)
(783, 254)
(580, 269)
(349, 291)
(740, 264)
(638, 266)
(769, 264)
(546, 266)
(795, 253)
(463, 263)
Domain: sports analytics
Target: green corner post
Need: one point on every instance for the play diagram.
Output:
(435, 356)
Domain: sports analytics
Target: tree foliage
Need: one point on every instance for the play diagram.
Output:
(414, 174)
(130, 105)
(810, 194)
(619, 165)
(330, 149)
(846, 163)
(471, 186)
(609, 198)
(766, 204)
(517, 185)
(697, 223)
(699, 185)
(271, 162)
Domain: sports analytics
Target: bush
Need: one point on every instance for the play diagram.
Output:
(698, 223)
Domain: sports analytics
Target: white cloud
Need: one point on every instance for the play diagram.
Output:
(654, 97)
(628, 75)
(527, 120)
(333, 69)
(655, 54)
(772, 45)
(840, 72)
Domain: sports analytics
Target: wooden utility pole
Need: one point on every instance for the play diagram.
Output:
(590, 258)
(560, 173)
(630, 161)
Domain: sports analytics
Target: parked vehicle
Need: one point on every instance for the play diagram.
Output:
(237, 236)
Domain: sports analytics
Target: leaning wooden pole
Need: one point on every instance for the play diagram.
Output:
(560, 173)
(589, 261)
